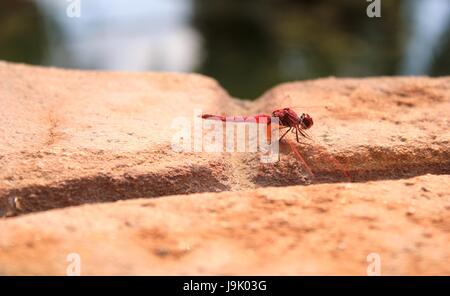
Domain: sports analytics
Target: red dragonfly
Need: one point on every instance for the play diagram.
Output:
(286, 116)
(289, 119)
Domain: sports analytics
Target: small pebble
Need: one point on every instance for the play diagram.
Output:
(162, 252)
(425, 189)
(411, 211)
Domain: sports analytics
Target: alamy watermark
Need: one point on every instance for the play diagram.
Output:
(227, 134)
(74, 266)
(73, 9)
(374, 267)
(374, 8)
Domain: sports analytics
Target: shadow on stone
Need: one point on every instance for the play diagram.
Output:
(105, 188)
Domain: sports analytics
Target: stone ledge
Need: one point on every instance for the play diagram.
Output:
(64, 130)
(314, 230)
(69, 138)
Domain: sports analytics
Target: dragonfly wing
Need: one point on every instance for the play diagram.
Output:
(303, 133)
(260, 118)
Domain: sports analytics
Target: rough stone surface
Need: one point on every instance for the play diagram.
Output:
(69, 138)
(317, 229)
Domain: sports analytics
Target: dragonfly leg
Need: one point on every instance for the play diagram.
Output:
(285, 133)
(296, 135)
(301, 132)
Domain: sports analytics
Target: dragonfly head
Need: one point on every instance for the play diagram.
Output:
(305, 121)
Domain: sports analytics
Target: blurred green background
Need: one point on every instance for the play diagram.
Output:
(249, 46)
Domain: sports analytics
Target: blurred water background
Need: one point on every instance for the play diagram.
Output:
(249, 46)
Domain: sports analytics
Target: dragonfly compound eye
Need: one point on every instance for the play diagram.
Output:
(306, 121)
